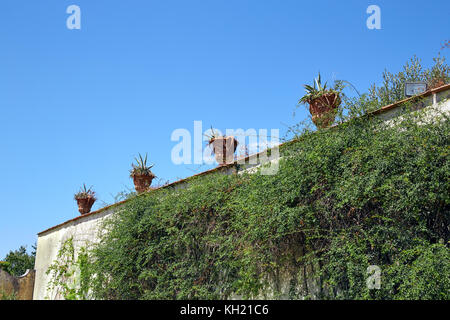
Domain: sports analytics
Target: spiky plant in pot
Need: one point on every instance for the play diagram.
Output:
(141, 174)
(85, 199)
(323, 102)
(223, 147)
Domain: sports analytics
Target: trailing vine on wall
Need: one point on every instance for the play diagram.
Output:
(69, 273)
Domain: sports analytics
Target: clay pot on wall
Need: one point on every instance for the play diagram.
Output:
(324, 109)
(85, 199)
(141, 174)
(142, 182)
(323, 101)
(224, 149)
(85, 204)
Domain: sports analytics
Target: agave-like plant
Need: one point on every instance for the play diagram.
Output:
(214, 135)
(141, 168)
(317, 90)
(85, 193)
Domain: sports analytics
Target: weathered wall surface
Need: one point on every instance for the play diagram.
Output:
(283, 282)
(19, 287)
(429, 108)
(83, 232)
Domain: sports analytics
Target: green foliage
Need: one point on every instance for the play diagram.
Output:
(69, 273)
(141, 167)
(4, 296)
(4, 265)
(18, 261)
(393, 86)
(85, 193)
(422, 272)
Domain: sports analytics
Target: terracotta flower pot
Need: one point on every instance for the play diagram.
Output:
(324, 109)
(142, 182)
(224, 148)
(85, 204)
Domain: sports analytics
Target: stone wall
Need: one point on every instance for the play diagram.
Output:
(83, 231)
(20, 288)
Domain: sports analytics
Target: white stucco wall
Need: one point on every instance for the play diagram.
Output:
(428, 114)
(83, 231)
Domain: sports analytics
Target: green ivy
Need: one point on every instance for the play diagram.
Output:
(69, 273)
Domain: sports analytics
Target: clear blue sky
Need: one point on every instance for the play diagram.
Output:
(77, 105)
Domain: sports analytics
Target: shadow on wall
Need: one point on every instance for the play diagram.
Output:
(18, 288)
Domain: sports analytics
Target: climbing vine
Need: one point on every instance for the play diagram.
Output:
(68, 273)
